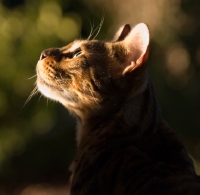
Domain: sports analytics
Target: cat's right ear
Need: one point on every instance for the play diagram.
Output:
(136, 44)
(122, 33)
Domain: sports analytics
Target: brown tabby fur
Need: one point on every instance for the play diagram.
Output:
(124, 145)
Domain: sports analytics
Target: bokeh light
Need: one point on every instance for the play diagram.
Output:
(37, 140)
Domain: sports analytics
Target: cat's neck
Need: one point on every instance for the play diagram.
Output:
(122, 120)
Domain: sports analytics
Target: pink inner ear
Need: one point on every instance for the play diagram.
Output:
(137, 42)
(125, 31)
(135, 49)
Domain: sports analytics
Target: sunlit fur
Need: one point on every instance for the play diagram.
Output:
(124, 145)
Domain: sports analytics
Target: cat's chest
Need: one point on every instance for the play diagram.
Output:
(114, 161)
(107, 168)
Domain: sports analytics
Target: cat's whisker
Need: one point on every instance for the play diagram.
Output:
(91, 30)
(39, 98)
(99, 27)
(32, 77)
(94, 30)
(34, 91)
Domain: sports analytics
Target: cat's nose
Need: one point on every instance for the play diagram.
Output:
(53, 52)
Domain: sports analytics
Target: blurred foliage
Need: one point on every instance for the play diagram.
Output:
(37, 140)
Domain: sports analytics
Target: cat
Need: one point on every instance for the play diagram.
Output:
(125, 147)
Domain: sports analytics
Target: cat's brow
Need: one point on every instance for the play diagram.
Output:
(75, 46)
(71, 48)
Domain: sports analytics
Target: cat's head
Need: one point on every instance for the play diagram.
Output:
(89, 75)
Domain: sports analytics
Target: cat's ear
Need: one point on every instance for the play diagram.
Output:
(122, 33)
(136, 44)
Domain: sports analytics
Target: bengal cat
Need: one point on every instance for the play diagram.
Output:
(125, 147)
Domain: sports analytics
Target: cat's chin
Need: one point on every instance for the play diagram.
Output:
(49, 92)
(55, 93)
(46, 87)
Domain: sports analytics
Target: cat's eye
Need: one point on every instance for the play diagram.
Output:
(77, 53)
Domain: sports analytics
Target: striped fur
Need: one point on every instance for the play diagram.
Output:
(124, 145)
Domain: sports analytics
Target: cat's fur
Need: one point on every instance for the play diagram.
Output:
(124, 145)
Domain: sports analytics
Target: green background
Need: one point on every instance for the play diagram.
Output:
(37, 139)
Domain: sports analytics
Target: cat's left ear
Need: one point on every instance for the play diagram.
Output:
(122, 33)
(136, 44)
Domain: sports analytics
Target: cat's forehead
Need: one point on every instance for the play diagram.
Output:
(73, 46)
(78, 44)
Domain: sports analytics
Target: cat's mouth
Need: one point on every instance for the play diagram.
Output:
(46, 84)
